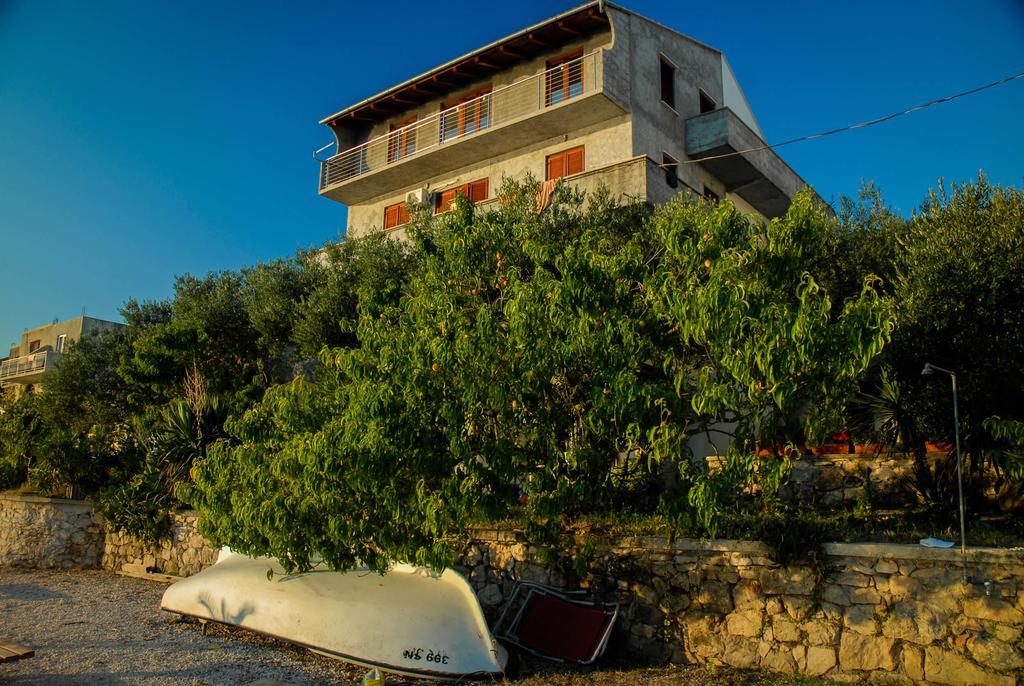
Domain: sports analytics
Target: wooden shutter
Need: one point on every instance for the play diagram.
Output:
(445, 200)
(562, 76)
(574, 161)
(556, 166)
(478, 190)
(565, 163)
(474, 192)
(401, 144)
(395, 215)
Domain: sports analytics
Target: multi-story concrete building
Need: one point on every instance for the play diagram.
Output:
(40, 349)
(597, 95)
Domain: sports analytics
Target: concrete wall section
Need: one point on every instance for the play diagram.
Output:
(658, 128)
(72, 328)
(605, 143)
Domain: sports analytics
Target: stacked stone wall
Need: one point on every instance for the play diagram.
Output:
(48, 533)
(885, 479)
(896, 614)
(183, 553)
(53, 533)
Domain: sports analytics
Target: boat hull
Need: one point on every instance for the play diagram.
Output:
(410, 621)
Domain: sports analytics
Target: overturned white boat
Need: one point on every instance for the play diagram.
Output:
(411, 621)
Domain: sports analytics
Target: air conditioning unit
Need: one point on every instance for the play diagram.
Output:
(419, 196)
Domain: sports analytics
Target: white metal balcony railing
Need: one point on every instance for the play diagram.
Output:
(529, 95)
(26, 364)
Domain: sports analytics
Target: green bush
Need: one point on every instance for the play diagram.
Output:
(528, 358)
(954, 272)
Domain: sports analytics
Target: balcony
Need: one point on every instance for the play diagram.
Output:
(756, 174)
(557, 101)
(27, 368)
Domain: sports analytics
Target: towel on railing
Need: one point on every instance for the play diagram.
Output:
(545, 193)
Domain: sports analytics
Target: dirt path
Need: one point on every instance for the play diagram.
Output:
(93, 628)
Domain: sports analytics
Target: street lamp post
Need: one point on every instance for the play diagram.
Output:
(928, 370)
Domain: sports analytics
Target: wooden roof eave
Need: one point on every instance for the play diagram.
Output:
(492, 58)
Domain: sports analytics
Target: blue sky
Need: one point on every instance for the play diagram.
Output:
(139, 140)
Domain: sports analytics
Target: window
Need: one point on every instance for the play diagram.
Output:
(467, 114)
(61, 339)
(707, 103)
(564, 78)
(402, 141)
(668, 83)
(33, 346)
(474, 191)
(395, 215)
(710, 194)
(671, 167)
(565, 163)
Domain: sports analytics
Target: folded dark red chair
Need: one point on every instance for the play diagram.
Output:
(553, 625)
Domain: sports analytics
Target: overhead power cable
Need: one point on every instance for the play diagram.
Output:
(858, 125)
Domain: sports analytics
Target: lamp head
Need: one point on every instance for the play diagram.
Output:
(928, 370)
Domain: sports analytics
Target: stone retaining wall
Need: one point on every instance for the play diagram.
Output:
(48, 533)
(894, 614)
(844, 479)
(184, 553)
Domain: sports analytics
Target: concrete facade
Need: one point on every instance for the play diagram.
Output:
(617, 116)
(40, 348)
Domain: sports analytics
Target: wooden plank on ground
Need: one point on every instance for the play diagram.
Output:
(12, 651)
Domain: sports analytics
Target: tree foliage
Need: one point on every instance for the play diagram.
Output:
(123, 414)
(534, 360)
(368, 401)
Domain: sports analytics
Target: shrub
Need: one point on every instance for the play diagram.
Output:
(527, 360)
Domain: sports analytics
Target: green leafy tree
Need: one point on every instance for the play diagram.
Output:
(528, 360)
(21, 429)
(766, 350)
(512, 366)
(953, 270)
(961, 299)
(208, 329)
(370, 272)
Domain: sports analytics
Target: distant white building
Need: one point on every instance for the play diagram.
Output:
(41, 348)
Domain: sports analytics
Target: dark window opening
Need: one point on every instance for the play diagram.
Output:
(671, 167)
(707, 103)
(668, 83)
(33, 346)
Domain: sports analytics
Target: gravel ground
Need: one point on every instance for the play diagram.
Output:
(92, 628)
